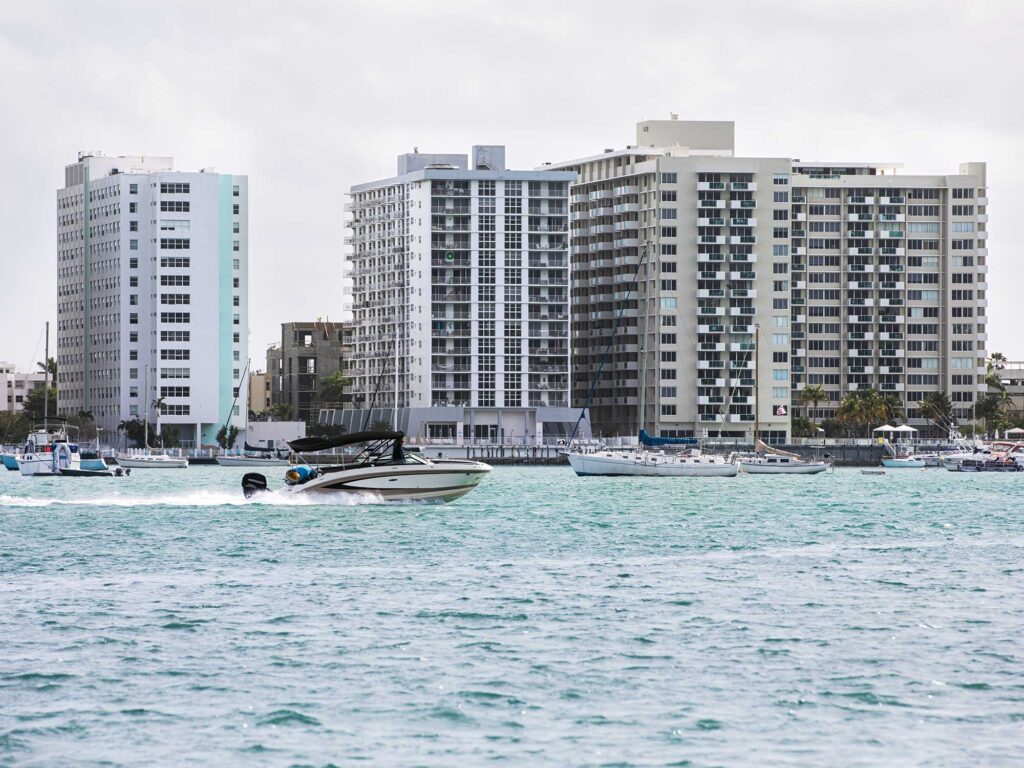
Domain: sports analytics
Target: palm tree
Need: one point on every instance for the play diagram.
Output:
(813, 394)
(937, 407)
(48, 366)
(893, 407)
(998, 360)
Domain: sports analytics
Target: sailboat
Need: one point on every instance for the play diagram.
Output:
(643, 461)
(150, 460)
(772, 461)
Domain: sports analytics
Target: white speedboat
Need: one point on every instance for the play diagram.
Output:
(778, 464)
(47, 453)
(643, 463)
(380, 467)
(152, 461)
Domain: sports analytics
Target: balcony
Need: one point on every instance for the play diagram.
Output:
(891, 234)
(711, 382)
(748, 330)
(711, 222)
(860, 268)
(708, 186)
(600, 194)
(896, 200)
(629, 225)
(707, 258)
(742, 346)
(891, 217)
(737, 222)
(743, 186)
(711, 347)
(743, 293)
(859, 200)
(743, 239)
(747, 258)
(711, 240)
(744, 275)
(859, 302)
(891, 387)
(710, 329)
(710, 365)
(627, 189)
(742, 311)
(799, 250)
(860, 217)
(712, 203)
(716, 276)
(798, 217)
(743, 204)
(711, 293)
(860, 285)
(602, 210)
(710, 311)
(626, 208)
(627, 242)
(858, 234)
(711, 400)
(600, 229)
(890, 268)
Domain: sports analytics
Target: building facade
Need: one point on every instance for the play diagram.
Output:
(460, 278)
(15, 386)
(152, 291)
(889, 284)
(737, 282)
(309, 352)
(260, 391)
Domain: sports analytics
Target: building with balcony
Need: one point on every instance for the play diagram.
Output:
(682, 239)
(889, 281)
(152, 268)
(740, 281)
(460, 285)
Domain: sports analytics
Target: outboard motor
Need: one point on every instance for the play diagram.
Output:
(253, 483)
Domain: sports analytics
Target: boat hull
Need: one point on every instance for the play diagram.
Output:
(250, 461)
(152, 462)
(904, 463)
(9, 461)
(435, 481)
(607, 465)
(810, 468)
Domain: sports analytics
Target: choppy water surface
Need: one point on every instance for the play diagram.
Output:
(541, 620)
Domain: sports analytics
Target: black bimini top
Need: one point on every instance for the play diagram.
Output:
(309, 444)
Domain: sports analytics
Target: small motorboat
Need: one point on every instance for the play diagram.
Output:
(380, 466)
(252, 460)
(772, 461)
(905, 462)
(48, 451)
(108, 472)
(872, 471)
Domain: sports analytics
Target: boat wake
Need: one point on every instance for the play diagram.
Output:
(200, 499)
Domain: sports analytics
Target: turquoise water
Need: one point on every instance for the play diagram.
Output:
(542, 620)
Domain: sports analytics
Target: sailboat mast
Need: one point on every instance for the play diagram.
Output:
(757, 381)
(145, 416)
(46, 384)
(396, 375)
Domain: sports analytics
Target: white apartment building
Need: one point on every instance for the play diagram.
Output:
(152, 287)
(765, 275)
(15, 386)
(461, 300)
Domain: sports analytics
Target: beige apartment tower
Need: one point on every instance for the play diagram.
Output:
(740, 281)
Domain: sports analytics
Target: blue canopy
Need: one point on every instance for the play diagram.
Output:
(654, 441)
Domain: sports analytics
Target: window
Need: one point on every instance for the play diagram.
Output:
(668, 392)
(175, 391)
(133, 207)
(668, 249)
(668, 231)
(668, 356)
(668, 410)
(175, 279)
(133, 281)
(780, 339)
(133, 318)
(668, 195)
(780, 250)
(175, 298)
(668, 302)
(175, 354)
(133, 226)
(780, 393)
(133, 189)
(174, 243)
(175, 335)
(235, 246)
(133, 300)
(780, 321)
(780, 374)
(174, 206)
(669, 178)
(175, 409)
(780, 303)
(780, 197)
(173, 188)
(780, 178)
(780, 232)
(780, 285)
(235, 191)
(235, 301)
(234, 209)
(669, 213)
(175, 317)
(780, 357)
(175, 262)
(133, 262)
(668, 285)
(780, 214)
(133, 245)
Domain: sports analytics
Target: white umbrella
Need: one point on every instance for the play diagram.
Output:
(1015, 431)
(884, 428)
(904, 428)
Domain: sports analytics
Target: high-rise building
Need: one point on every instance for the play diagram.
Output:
(152, 287)
(309, 352)
(740, 281)
(888, 279)
(461, 299)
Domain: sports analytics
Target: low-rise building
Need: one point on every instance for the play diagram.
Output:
(15, 386)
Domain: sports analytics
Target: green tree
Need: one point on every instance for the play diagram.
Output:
(35, 402)
(860, 411)
(332, 389)
(893, 407)
(812, 395)
(379, 425)
(226, 436)
(135, 430)
(170, 436)
(49, 366)
(937, 407)
(13, 427)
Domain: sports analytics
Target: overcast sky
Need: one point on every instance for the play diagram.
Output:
(308, 98)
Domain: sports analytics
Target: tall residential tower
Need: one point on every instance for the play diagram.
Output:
(461, 299)
(152, 286)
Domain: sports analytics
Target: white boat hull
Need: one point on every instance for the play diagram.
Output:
(250, 461)
(801, 468)
(904, 463)
(152, 462)
(647, 465)
(433, 481)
